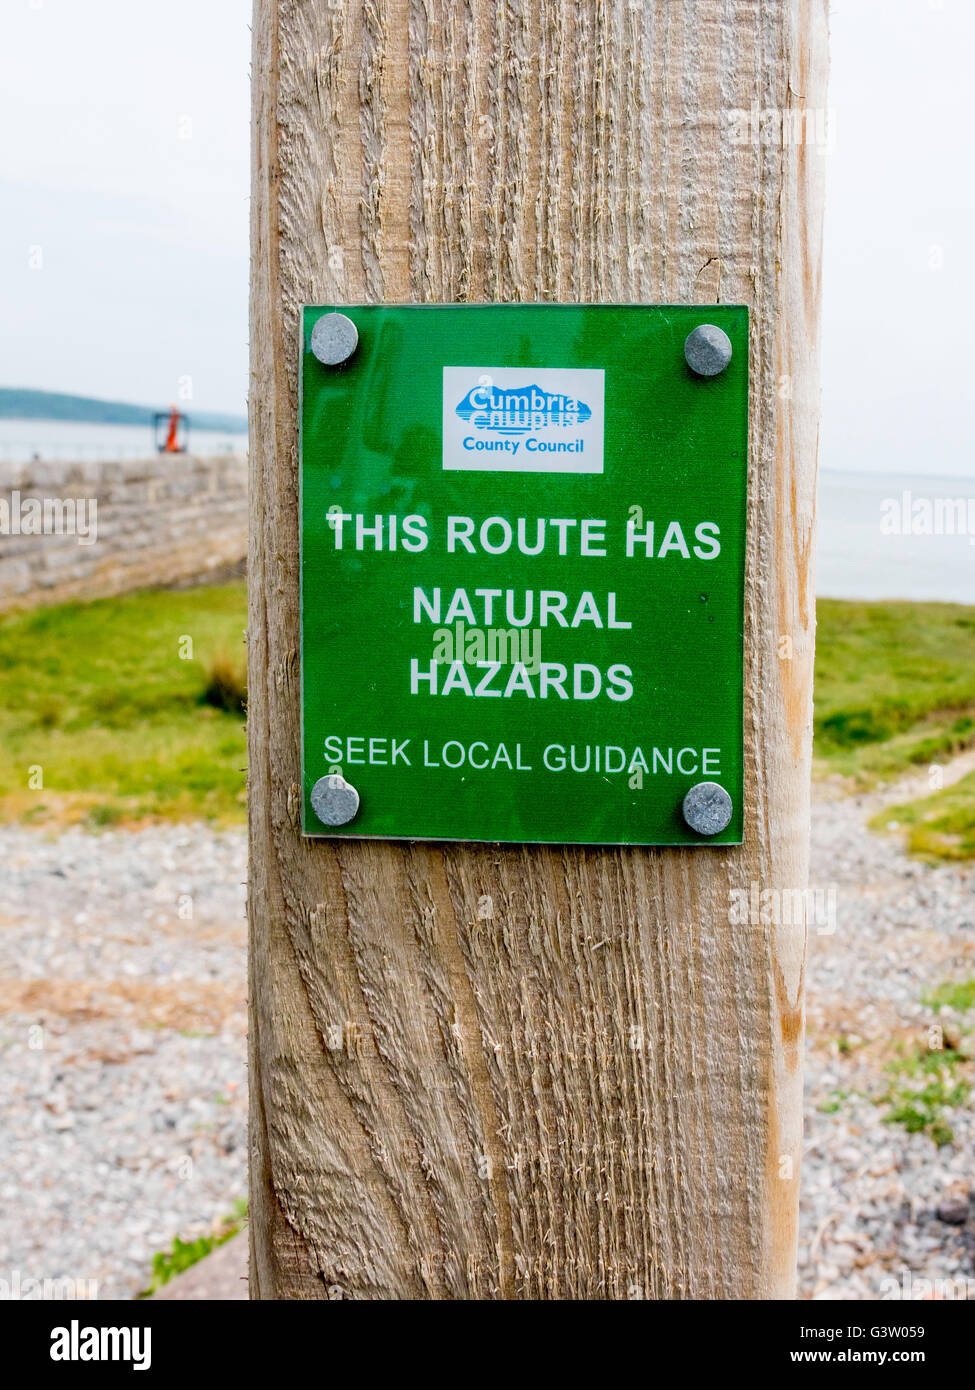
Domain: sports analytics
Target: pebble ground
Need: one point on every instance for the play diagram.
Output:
(123, 1082)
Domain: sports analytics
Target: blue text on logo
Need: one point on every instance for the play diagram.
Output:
(520, 409)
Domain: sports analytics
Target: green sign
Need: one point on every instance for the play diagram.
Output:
(522, 563)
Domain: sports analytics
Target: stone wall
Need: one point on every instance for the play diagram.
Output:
(165, 520)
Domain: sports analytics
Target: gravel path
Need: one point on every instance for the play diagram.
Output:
(122, 1049)
(122, 1077)
(871, 1192)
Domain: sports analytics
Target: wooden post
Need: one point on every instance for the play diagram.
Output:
(598, 1092)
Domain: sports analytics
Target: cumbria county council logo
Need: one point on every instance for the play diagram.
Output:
(520, 409)
(523, 419)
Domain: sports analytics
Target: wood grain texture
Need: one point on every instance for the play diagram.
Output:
(478, 1071)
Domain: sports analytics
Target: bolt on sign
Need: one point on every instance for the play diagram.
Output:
(522, 567)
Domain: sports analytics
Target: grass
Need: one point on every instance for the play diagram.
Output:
(926, 1085)
(941, 826)
(129, 709)
(183, 1254)
(834, 1101)
(957, 995)
(895, 691)
(226, 685)
(895, 686)
(107, 710)
(928, 1082)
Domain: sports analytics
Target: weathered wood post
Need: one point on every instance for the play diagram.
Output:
(595, 1089)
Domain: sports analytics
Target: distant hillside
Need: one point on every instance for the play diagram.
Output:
(18, 403)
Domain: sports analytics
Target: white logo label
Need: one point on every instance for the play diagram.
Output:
(523, 419)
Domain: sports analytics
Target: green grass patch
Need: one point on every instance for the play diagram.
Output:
(940, 826)
(185, 1253)
(958, 995)
(895, 691)
(834, 1101)
(924, 1086)
(895, 686)
(102, 721)
(107, 709)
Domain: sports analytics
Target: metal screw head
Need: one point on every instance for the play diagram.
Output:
(334, 339)
(707, 350)
(707, 808)
(334, 800)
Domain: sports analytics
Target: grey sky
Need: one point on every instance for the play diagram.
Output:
(125, 161)
(900, 223)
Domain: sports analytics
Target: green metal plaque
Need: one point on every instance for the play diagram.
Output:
(522, 567)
